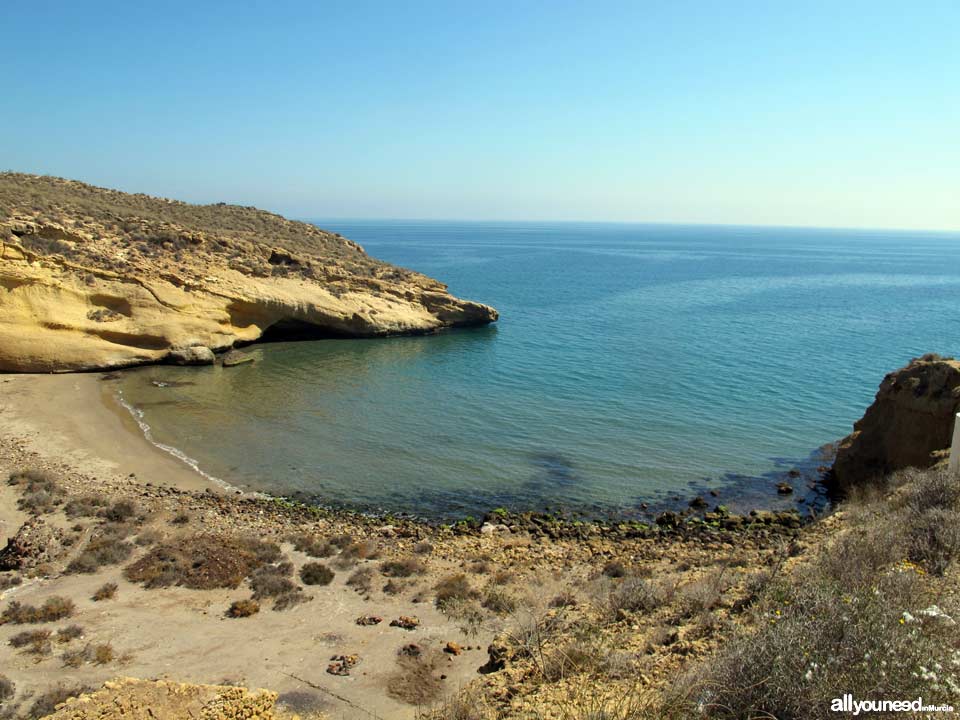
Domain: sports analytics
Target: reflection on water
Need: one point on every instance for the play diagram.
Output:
(633, 365)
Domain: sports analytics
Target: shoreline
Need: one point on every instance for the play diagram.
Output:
(81, 417)
(76, 417)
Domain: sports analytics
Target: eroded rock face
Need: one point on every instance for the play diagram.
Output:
(97, 279)
(909, 424)
(133, 699)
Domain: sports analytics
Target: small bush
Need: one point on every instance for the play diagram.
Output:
(315, 573)
(271, 581)
(105, 548)
(243, 608)
(103, 654)
(313, 546)
(36, 641)
(290, 599)
(9, 580)
(69, 633)
(635, 594)
(85, 506)
(348, 557)
(53, 609)
(423, 548)
(148, 537)
(41, 492)
(402, 568)
(497, 600)
(180, 519)
(107, 591)
(120, 511)
(453, 588)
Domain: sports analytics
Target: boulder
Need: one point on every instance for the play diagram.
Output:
(192, 355)
(35, 543)
(235, 357)
(909, 424)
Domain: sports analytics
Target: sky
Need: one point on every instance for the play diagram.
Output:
(840, 113)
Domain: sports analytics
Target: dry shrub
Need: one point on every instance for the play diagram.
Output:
(315, 573)
(41, 493)
(271, 581)
(53, 609)
(120, 511)
(106, 547)
(352, 553)
(615, 569)
(705, 593)
(453, 587)
(36, 642)
(416, 680)
(181, 518)
(243, 608)
(85, 506)
(291, 599)
(361, 580)
(497, 600)
(69, 633)
(402, 568)
(423, 548)
(312, 545)
(148, 537)
(107, 591)
(635, 594)
(101, 654)
(201, 562)
(483, 566)
(9, 580)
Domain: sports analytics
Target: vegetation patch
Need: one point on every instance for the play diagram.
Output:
(53, 609)
(201, 562)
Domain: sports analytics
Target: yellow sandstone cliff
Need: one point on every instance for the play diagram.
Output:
(93, 278)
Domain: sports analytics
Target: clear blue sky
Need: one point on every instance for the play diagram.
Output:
(840, 113)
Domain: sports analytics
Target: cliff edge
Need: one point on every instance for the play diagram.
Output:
(92, 278)
(909, 424)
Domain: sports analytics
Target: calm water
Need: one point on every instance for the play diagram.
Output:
(631, 362)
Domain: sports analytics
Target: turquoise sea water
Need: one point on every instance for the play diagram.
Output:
(632, 363)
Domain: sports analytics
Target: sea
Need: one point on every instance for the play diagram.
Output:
(634, 367)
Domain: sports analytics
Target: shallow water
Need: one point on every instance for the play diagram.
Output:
(632, 363)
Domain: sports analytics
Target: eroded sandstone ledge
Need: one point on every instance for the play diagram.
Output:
(93, 278)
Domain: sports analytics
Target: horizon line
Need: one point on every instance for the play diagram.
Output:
(668, 223)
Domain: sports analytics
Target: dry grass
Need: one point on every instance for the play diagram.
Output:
(312, 545)
(36, 642)
(9, 580)
(453, 588)
(7, 688)
(361, 580)
(69, 633)
(108, 546)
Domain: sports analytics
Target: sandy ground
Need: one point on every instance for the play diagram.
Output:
(70, 423)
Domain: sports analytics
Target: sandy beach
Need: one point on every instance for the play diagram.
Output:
(70, 427)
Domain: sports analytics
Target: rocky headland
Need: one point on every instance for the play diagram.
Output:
(92, 278)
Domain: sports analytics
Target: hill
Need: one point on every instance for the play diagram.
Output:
(97, 278)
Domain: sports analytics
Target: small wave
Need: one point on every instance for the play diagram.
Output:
(137, 414)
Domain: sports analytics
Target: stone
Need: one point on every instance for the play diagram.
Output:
(191, 355)
(453, 648)
(406, 622)
(369, 620)
(235, 357)
(784, 488)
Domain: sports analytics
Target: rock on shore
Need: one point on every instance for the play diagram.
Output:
(909, 424)
(93, 278)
